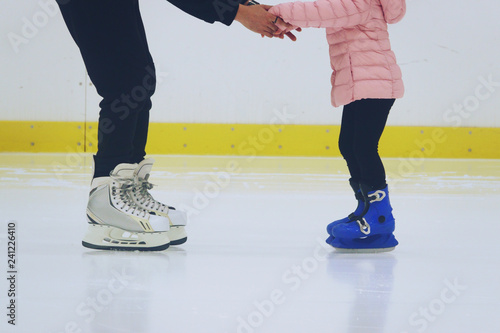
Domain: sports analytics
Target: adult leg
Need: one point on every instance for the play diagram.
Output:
(121, 212)
(111, 38)
(149, 83)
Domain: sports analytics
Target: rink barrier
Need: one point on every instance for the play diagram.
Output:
(255, 139)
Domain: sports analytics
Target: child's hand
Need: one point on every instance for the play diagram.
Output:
(283, 30)
(283, 27)
(281, 33)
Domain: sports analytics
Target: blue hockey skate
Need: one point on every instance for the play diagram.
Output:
(371, 230)
(359, 209)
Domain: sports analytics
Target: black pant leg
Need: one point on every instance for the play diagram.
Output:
(347, 139)
(371, 117)
(140, 137)
(363, 123)
(111, 38)
(141, 132)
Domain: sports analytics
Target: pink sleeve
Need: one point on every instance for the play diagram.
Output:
(323, 13)
(394, 10)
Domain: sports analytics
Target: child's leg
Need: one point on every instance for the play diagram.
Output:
(370, 117)
(347, 139)
(346, 145)
(371, 228)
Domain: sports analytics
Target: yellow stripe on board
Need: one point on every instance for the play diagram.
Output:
(41, 136)
(254, 139)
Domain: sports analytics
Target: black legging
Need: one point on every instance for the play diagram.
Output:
(112, 41)
(363, 122)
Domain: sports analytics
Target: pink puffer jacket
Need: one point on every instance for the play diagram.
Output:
(363, 63)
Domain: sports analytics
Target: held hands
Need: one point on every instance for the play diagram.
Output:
(257, 19)
(284, 28)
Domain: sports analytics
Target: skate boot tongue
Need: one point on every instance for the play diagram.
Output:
(144, 168)
(121, 171)
(144, 199)
(124, 170)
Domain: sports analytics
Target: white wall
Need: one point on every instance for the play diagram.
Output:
(219, 74)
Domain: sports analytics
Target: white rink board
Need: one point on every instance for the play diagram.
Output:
(216, 74)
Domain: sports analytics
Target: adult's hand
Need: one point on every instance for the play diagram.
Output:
(284, 29)
(257, 19)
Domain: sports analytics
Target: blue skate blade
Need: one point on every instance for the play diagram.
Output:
(376, 243)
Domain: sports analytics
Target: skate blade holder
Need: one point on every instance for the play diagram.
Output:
(369, 244)
(376, 250)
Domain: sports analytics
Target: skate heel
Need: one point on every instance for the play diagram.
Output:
(105, 237)
(370, 244)
(357, 211)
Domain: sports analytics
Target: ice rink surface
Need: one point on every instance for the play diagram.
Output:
(256, 260)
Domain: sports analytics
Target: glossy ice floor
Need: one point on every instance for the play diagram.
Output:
(256, 260)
